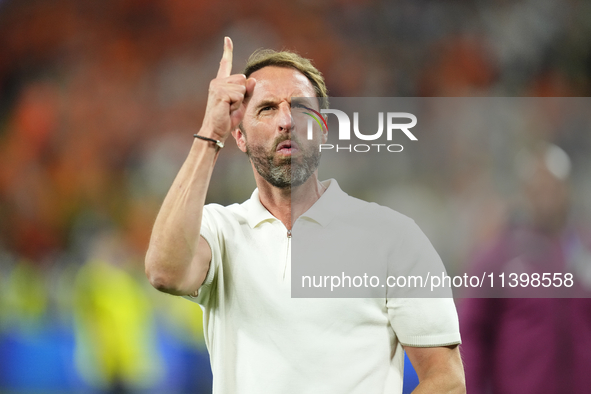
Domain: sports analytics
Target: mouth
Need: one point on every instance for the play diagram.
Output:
(287, 147)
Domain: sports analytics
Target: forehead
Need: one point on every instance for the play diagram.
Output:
(280, 83)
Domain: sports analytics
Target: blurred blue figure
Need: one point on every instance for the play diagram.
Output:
(411, 380)
(36, 349)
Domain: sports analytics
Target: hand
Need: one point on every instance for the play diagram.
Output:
(227, 94)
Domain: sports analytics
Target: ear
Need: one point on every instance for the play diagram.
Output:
(240, 138)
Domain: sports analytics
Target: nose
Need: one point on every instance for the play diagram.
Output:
(285, 121)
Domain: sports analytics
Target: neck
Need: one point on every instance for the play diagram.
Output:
(288, 204)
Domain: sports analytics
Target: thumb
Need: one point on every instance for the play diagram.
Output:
(250, 85)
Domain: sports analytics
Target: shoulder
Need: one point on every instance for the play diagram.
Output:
(375, 215)
(220, 216)
(226, 210)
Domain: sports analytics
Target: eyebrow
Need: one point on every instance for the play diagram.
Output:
(266, 103)
(306, 101)
(273, 101)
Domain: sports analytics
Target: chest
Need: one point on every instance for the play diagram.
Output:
(255, 286)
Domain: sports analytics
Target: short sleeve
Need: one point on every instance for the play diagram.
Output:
(424, 318)
(424, 322)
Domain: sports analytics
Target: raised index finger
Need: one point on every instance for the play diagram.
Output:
(226, 62)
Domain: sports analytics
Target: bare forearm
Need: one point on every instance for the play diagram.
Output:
(439, 369)
(175, 235)
(178, 259)
(441, 384)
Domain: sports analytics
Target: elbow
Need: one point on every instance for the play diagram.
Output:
(159, 277)
(160, 282)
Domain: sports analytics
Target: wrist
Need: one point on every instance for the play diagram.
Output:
(218, 144)
(208, 131)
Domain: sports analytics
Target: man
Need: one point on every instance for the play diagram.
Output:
(236, 260)
(534, 345)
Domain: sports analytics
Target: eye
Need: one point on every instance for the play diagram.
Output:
(267, 108)
(298, 108)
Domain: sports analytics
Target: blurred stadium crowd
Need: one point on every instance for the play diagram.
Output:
(98, 104)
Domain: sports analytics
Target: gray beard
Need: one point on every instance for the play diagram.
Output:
(284, 175)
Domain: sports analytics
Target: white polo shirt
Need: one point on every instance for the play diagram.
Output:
(261, 340)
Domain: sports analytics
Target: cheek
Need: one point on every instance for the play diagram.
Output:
(259, 127)
(259, 132)
(257, 145)
(318, 135)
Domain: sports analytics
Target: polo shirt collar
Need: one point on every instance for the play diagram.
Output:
(257, 213)
(329, 205)
(322, 212)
